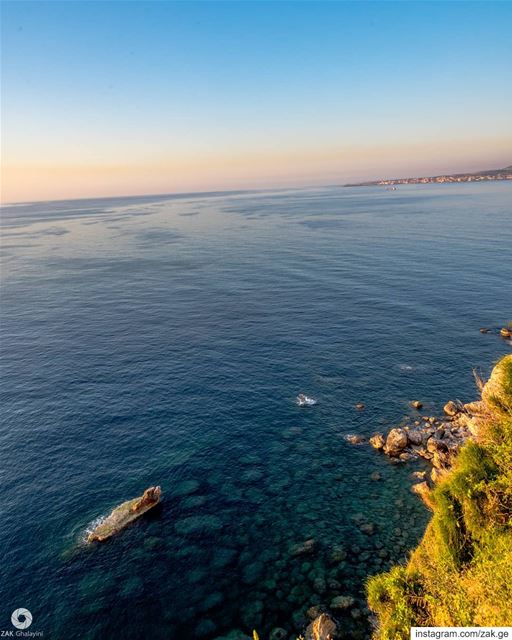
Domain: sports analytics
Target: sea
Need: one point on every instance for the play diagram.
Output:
(162, 340)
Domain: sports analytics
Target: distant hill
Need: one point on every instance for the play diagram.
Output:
(479, 176)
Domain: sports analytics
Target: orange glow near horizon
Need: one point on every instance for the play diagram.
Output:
(257, 169)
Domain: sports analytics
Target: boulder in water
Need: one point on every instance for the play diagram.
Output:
(124, 514)
(415, 437)
(322, 628)
(395, 442)
(451, 408)
(378, 441)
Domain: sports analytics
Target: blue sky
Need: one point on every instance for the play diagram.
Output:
(100, 98)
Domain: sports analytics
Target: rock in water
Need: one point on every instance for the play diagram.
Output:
(451, 408)
(378, 441)
(415, 437)
(125, 513)
(416, 404)
(303, 548)
(355, 438)
(322, 628)
(395, 442)
(342, 602)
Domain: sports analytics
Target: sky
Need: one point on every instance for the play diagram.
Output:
(121, 98)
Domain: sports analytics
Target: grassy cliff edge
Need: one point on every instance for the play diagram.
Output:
(461, 572)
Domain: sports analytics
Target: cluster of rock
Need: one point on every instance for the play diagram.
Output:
(436, 439)
(332, 613)
(505, 332)
(326, 619)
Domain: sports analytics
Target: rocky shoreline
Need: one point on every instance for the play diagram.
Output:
(433, 440)
(436, 439)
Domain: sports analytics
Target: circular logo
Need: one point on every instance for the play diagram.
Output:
(21, 618)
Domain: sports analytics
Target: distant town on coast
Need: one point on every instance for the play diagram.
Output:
(479, 176)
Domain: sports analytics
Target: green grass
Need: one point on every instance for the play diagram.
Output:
(461, 572)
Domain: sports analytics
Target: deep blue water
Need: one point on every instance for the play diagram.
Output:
(162, 340)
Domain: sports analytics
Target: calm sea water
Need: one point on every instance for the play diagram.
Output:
(162, 340)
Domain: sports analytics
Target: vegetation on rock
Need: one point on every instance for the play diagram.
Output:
(461, 572)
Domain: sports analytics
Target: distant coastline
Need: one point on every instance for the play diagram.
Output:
(479, 176)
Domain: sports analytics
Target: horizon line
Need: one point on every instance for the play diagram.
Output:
(172, 194)
(183, 194)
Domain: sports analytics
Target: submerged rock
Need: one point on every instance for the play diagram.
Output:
(303, 548)
(337, 554)
(368, 528)
(342, 602)
(205, 628)
(355, 438)
(132, 587)
(315, 611)
(124, 514)
(252, 475)
(194, 525)
(319, 585)
(185, 488)
(222, 557)
(252, 572)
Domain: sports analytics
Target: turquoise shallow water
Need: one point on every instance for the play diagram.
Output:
(162, 340)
